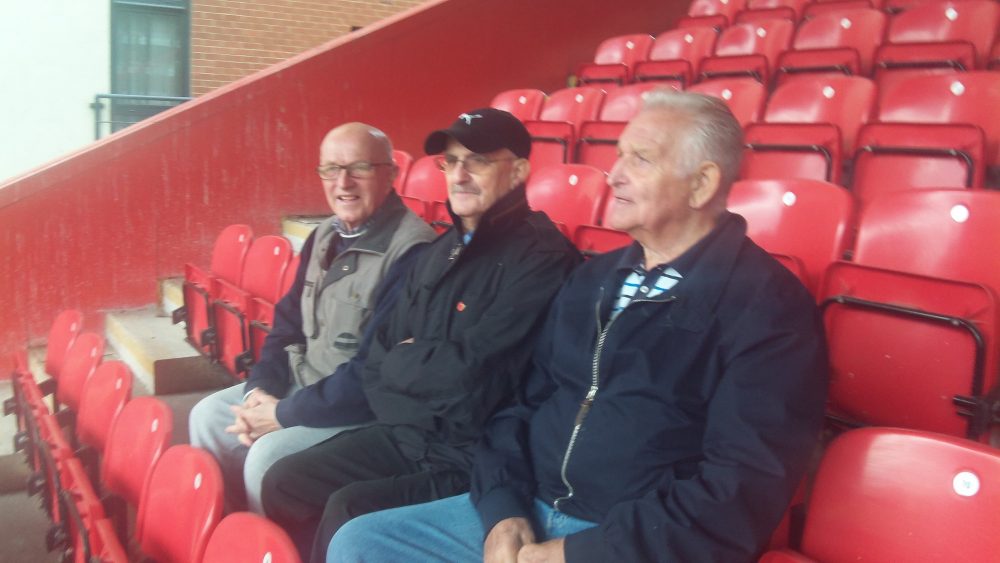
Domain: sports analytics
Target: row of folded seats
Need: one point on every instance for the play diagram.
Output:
(772, 40)
(114, 488)
(926, 130)
(228, 308)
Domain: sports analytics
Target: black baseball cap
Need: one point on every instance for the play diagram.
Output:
(483, 130)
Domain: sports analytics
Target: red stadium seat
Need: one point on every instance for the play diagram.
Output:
(181, 505)
(554, 135)
(809, 221)
(243, 536)
(887, 494)
(571, 194)
(624, 102)
(427, 185)
(227, 264)
(899, 156)
(524, 104)
(263, 278)
(138, 437)
(712, 13)
(757, 10)
(403, 162)
(945, 35)
(744, 96)
(909, 350)
(834, 42)
(597, 142)
(748, 49)
(912, 326)
(967, 98)
(600, 237)
(104, 396)
(261, 314)
(63, 332)
(804, 117)
(81, 361)
(676, 55)
(820, 7)
(615, 60)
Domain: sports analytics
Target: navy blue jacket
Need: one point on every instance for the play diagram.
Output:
(338, 399)
(706, 403)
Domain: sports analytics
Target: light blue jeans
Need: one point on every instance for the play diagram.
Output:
(243, 468)
(444, 530)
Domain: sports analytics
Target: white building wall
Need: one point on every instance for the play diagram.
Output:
(55, 57)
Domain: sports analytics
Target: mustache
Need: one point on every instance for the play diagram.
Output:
(464, 190)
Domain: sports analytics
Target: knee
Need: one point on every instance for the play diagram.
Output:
(271, 493)
(353, 539)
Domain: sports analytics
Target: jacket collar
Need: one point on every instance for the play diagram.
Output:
(376, 240)
(500, 217)
(705, 277)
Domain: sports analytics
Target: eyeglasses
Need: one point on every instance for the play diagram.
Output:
(474, 163)
(356, 170)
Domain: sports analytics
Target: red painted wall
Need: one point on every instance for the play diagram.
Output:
(97, 229)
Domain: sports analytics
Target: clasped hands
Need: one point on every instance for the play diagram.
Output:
(255, 417)
(513, 541)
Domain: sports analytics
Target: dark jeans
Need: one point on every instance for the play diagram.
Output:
(312, 493)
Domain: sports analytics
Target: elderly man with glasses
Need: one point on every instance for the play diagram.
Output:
(452, 351)
(305, 387)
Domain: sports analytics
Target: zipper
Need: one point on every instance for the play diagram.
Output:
(588, 400)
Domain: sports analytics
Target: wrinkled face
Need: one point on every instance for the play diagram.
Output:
(649, 191)
(471, 194)
(355, 199)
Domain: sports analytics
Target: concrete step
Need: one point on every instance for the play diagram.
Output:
(160, 358)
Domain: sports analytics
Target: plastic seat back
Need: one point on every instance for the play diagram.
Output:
(744, 96)
(228, 254)
(624, 102)
(403, 162)
(571, 194)
(968, 97)
(264, 268)
(805, 219)
(948, 34)
(952, 234)
(65, 328)
(598, 144)
(138, 437)
(81, 361)
(104, 396)
(554, 134)
(676, 55)
(524, 104)
(715, 13)
(899, 156)
(835, 42)
(615, 59)
(902, 495)
(243, 537)
(748, 49)
(844, 101)
(181, 505)
(426, 182)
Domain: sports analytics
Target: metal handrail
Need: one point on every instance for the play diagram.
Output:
(98, 107)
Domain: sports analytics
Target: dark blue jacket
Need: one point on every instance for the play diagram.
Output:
(707, 402)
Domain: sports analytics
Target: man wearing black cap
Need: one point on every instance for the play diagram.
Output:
(452, 350)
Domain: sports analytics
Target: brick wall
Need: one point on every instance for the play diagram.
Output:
(233, 38)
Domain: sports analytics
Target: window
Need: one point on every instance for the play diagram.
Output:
(149, 57)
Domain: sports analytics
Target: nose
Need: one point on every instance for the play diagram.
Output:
(343, 179)
(458, 174)
(616, 176)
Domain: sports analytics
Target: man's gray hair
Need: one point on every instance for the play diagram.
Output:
(710, 131)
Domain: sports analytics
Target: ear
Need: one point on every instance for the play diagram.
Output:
(522, 168)
(704, 185)
(393, 173)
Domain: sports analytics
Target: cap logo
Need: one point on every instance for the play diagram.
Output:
(468, 118)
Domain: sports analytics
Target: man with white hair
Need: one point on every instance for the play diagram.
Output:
(674, 396)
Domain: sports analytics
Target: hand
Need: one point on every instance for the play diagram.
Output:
(253, 422)
(256, 397)
(545, 552)
(506, 538)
